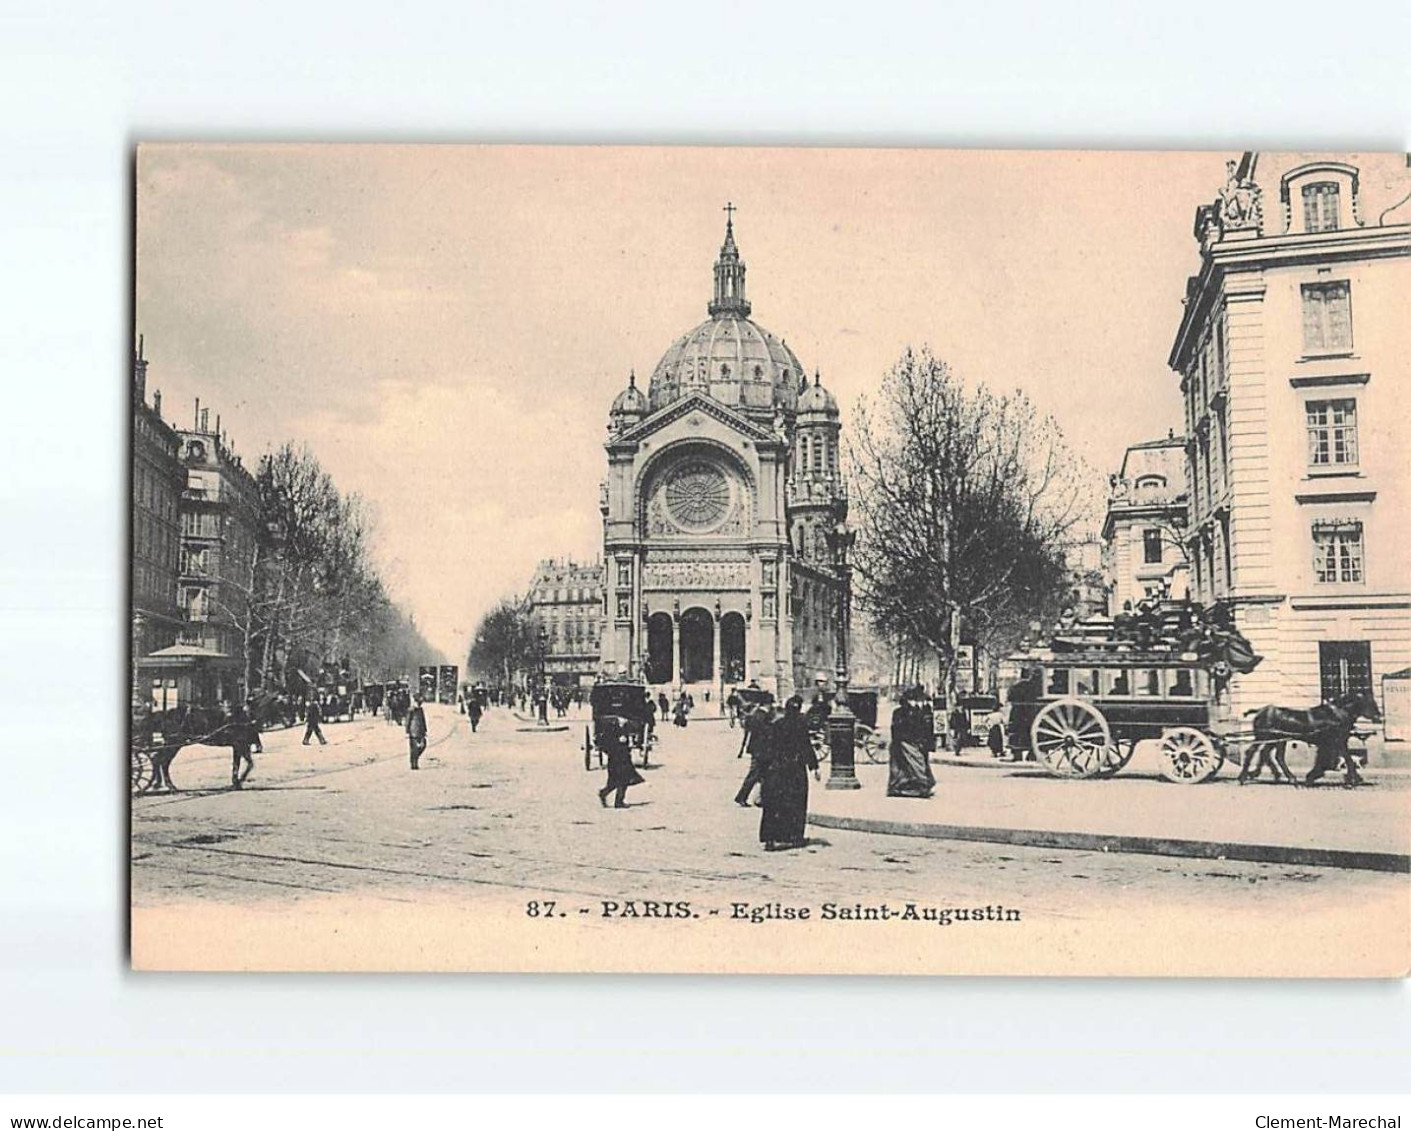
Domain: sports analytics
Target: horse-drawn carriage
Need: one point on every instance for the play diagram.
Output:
(1082, 712)
(869, 740)
(628, 701)
(1084, 704)
(157, 737)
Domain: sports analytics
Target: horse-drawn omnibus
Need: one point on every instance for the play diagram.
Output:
(1081, 712)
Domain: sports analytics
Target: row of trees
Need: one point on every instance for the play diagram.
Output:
(966, 503)
(312, 592)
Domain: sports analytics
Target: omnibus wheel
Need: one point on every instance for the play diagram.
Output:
(1189, 756)
(1071, 737)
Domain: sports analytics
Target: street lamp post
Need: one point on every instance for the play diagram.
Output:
(842, 723)
(541, 692)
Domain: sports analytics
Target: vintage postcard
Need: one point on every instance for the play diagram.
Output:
(1006, 573)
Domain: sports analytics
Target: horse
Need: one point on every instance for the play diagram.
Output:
(1325, 727)
(191, 726)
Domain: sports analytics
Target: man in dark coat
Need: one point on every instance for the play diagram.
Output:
(756, 724)
(313, 715)
(474, 709)
(787, 758)
(614, 740)
(416, 732)
(243, 734)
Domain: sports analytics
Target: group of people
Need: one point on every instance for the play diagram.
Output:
(781, 754)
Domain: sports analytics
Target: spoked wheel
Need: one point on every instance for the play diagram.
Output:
(821, 748)
(1072, 738)
(587, 749)
(1116, 756)
(142, 771)
(872, 744)
(1189, 756)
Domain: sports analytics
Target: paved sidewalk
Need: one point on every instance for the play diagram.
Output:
(980, 799)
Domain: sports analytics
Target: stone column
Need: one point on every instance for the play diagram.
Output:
(678, 675)
(717, 677)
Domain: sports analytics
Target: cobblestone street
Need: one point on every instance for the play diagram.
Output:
(346, 841)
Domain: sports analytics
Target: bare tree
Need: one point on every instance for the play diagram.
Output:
(964, 502)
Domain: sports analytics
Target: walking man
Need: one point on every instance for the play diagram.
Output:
(416, 731)
(313, 715)
(243, 735)
(473, 709)
(756, 724)
(621, 773)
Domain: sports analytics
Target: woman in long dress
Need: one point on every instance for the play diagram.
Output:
(786, 759)
(613, 738)
(913, 739)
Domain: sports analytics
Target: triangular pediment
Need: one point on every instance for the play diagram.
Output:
(695, 402)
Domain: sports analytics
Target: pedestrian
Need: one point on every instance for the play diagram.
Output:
(787, 757)
(474, 709)
(663, 705)
(756, 726)
(614, 741)
(313, 715)
(649, 724)
(683, 708)
(912, 742)
(732, 707)
(959, 729)
(416, 731)
(243, 734)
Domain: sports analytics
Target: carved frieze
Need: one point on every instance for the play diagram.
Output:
(659, 575)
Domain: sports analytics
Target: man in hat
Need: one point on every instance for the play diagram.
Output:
(313, 715)
(416, 731)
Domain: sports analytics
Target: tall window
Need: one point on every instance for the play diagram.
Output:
(1151, 547)
(818, 453)
(1332, 432)
(1320, 207)
(1337, 553)
(1327, 316)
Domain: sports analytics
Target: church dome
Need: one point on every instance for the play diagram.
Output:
(729, 357)
(817, 399)
(630, 401)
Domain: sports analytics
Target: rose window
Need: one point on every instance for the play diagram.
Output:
(698, 496)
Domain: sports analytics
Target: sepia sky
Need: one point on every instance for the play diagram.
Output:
(447, 326)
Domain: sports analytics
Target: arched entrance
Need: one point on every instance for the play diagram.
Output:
(661, 648)
(732, 648)
(697, 646)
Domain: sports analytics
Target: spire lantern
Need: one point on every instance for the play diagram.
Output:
(729, 300)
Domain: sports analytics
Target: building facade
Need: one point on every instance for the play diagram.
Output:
(565, 604)
(1294, 351)
(157, 481)
(1143, 533)
(723, 510)
(219, 513)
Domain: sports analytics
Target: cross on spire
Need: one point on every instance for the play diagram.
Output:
(729, 297)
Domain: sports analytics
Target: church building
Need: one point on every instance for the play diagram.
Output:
(723, 509)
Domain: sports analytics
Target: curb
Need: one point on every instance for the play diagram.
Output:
(1137, 845)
